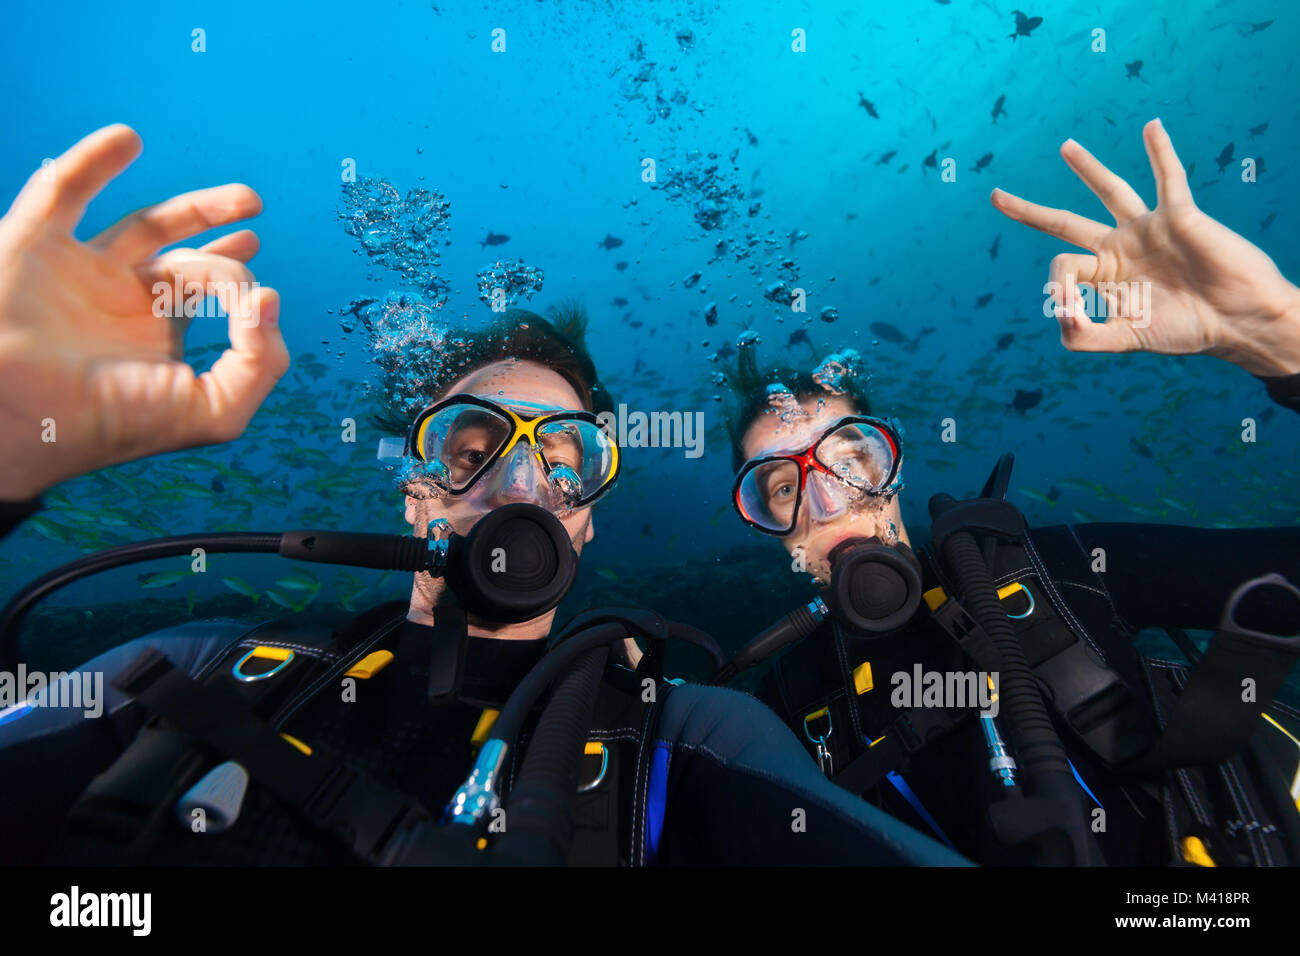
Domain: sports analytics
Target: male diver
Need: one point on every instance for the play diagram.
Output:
(343, 740)
(986, 688)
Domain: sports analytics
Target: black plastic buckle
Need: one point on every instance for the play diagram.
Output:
(906, 734)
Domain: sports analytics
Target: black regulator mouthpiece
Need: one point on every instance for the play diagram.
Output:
(874, 588)
(517, 562)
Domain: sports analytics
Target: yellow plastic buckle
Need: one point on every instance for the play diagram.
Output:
(370, 665)
(862, 681)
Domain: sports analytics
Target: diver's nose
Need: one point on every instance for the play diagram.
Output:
(826, 498)
(519, 482)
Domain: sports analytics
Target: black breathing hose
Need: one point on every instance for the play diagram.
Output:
(1056, 825)
(1039, 746)
(540, 808)
(380, 551)
(526, 694)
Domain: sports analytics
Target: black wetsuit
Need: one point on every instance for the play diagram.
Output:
(722, 782)
(1156, 575)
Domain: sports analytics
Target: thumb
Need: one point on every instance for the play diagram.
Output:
(228, 394)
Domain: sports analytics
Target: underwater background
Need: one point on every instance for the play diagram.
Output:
(404, 165)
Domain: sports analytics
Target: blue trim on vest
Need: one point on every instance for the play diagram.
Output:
(1084, 785)
(656, 799)
(12, 713)
(902, 787)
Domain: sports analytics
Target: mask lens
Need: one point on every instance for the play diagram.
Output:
(859, 454)
(579, 457)
(768, 493)
(459, 441)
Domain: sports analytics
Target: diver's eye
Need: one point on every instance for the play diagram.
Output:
(562, 446)
(783, 492)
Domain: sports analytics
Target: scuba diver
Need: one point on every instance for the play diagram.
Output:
(986, 687)
(414, 732)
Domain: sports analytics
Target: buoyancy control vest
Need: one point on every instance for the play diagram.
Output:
(207, 779)
(1224, 779)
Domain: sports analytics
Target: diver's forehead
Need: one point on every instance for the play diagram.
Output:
(520, 404)
(527, 386)
(792, 427)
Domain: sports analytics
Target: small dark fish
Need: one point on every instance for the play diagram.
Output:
(635, 325)
(620, 302)
(647, 531)
(753, 140)
(1134, 69)
(1257, 28)
(1053, 493)
(1265, 415)
(797, 336)
(1259, 130)
(887, 157)
(609, 242)
(984, 300)
(1268, 221)
(930, 161)
(726, 352)
(997, 108)
(1224, 159)
(620, 266)
(1005, 340)
(217, 486)
(867, 105)
(887, 332)
(1025, 25)
(982, 162)
(1140, 448)
(493, 239)
(1259, 165)
(993, 249)
(1024, 401)
(1110, 121)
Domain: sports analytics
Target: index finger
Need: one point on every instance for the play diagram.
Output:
(60, 191)
(1060, 223)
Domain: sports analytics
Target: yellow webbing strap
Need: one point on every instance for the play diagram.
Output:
(486, 721)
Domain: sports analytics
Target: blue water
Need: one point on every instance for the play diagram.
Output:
(545, 142)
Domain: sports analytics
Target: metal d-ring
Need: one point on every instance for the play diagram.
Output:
(237, 670)
(604, 765)
(1030, 610)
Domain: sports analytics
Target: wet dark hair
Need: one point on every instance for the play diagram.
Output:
(558, 343)
(750, 385)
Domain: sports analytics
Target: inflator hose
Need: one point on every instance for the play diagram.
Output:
(540, 808)
(1046, 766)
